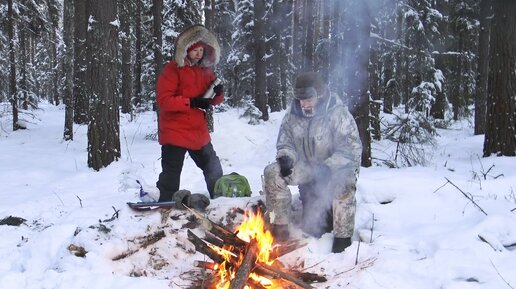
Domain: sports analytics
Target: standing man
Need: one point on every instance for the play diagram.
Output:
(183, 126)
(319, 150)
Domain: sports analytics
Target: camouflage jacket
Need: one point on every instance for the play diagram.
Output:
(330, 137)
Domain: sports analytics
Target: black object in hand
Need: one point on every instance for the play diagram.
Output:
(218, 89)
(286, 164)
(200, 102)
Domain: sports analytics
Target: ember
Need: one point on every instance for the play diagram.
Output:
(246, 259)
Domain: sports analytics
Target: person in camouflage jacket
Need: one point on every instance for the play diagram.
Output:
(319, 150)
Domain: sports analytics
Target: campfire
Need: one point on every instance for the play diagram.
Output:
(247, 258)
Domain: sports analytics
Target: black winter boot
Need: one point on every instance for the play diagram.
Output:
(340, 244)
(280, 233)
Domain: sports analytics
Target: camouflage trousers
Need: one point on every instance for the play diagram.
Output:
(334, 200)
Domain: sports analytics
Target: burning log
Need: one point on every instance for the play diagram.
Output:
(245, 267)
(205, 265)
(202, 247)
(246, 259)
(264, 269)
(217, 230)
(309, 277)
(255, 284)
(286, 248)
(213, 266)
(212, 239)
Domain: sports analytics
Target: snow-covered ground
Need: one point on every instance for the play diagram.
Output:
(417, 230)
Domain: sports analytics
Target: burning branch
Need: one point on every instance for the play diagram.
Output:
(243, 271)
(217, 230)
(244, 259)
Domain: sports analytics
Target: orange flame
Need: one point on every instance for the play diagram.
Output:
(252, 228)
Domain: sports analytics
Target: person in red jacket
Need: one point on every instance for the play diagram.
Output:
(182, 117)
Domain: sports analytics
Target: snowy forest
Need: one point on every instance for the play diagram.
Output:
(428, 62)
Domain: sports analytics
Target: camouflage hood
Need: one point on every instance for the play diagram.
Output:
(193, 35)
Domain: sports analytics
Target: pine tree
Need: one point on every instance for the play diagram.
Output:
(241, 57)
(104, 123)
(68, 98)
(260, 68)
(482, 66)
(81, 103)
(126, 87)
(500, 136)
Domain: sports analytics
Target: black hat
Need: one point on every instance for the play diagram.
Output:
(308, 85)
(305, 92)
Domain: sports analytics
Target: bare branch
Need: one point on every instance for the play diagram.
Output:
(500, 275)
(466, 195)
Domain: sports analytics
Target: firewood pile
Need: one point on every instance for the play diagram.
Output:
(239, 261)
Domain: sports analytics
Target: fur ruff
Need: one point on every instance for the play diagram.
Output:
(192, 35)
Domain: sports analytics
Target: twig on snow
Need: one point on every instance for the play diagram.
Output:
(142, 243)
(497, 272)
(372, 230)
(80, 201)
(114, 216)
(466, 195)
(59, 198)
(439, 188)
(358, 251)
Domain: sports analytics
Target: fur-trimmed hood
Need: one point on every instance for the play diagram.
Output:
(195, 34)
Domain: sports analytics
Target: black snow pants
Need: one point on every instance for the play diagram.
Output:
(172, 159)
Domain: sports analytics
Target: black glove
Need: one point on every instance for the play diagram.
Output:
(197, 201)
(194, 201)
(218, 89)
(181, 197)
(286, 164)
(200, 102)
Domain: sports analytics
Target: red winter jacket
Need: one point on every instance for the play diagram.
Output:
(179, 124)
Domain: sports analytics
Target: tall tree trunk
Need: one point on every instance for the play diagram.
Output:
(138, 55)
(104, 124)
(260, 65)
(68, 98)
(54, 17)
(13, 94)
(336, 78)
(396, 101)
(483, 66)
(324, 56)
(274, 63)
(286, 50)
(298, 34)
(126, 43)
(22, 64)
(209, 16)
(355, 59)
(157, 10)
(500, 136)
(81, 102)
(362, 113)
(309, 23)
(457, 96)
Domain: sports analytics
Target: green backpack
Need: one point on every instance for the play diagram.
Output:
(232, 185)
